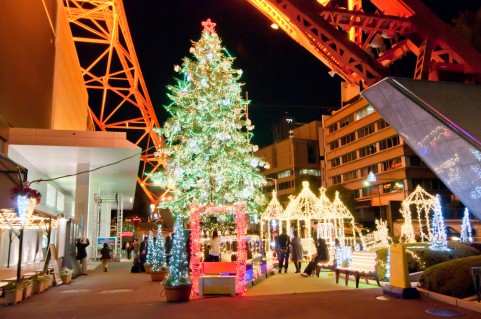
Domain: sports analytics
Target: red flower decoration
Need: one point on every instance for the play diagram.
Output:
(24, 191)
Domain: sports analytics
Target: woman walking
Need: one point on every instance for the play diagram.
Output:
(297, 252)
(105, 252)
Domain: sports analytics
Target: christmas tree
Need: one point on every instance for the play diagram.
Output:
(439, 238)
(150, 249)
(209, 157)
(179, 267)
(159, 260)
(466, 231)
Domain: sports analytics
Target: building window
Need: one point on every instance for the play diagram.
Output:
(336, 180)
(284, 174)
(349, 138)
(389, 143)
(349, 176)
(286, 185)
(335, 162)
(367, 150)
(332, 128)
(51, 196)
(60, 202)
(365, 131)
(365, 170)
(370, 191)
(381, 124)
(334, 145)
(392, 164)
(429, 184)
(311, 172)
(346, 121)
(312, 156)
(349, 157)
(365, 111)
(415, 161)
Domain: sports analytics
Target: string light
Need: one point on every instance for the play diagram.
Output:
(150, 249)
(466, 231)
(424, 204)
(179, 267)
(240, 238)
(439, 238)
(159, 259)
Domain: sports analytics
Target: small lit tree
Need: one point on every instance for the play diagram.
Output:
(466, 231)
(159, 260)
(150, 249)
(179, 267)
(439, 238)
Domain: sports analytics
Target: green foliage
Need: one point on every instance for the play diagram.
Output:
(159, 259)
(63, 272)
(420, 256)
(382, 263)
(452, 278)
(12, 285)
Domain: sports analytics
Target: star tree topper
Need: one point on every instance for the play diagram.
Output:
(209, 26)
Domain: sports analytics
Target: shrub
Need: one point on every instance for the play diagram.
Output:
(452, 278)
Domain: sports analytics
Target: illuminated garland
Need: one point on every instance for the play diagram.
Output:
(466, 231)
(271, 214)
(196, 241)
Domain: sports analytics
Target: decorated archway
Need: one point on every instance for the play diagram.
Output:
(239, 211)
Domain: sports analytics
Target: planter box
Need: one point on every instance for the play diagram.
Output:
(67, 279)
(158, 275)
(27, 292)
(37, 287)
(147, 268)
(13, 296)
(178, 293)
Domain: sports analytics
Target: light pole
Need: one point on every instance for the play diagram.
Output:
(275, 182)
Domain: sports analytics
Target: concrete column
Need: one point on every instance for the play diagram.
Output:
(82, 207)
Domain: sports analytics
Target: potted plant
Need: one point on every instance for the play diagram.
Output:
(178, 284)
(66, 275)
(13, 293)
(37, 284)
(158, 271)
(27, 288)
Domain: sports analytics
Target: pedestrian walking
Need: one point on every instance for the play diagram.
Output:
(128, 247)
(105, 252)
(282, 246)
(136, 247)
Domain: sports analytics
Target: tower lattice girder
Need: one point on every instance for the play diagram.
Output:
(407, 26)
(118, 97)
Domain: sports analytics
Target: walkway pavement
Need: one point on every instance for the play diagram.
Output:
(121, 294)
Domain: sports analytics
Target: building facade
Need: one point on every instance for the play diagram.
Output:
(366, 155)
(294, 160)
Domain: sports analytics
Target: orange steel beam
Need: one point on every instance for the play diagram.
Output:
(399, 27)
(118, 96)
(300, 19)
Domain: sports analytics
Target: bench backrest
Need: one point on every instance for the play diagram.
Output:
(364, 260)
(222, 267)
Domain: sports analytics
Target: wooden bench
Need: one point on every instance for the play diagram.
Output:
(363, 264)
(218, 278)
(330, 264)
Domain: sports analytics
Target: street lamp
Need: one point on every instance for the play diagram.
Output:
(275, 182)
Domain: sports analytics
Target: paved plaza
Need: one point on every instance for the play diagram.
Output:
(121, 294)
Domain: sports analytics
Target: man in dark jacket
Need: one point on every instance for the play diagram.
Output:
(82, 244)
(282, 246)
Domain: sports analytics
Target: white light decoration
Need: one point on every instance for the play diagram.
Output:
(466, 231)
(439, 238)
(379, 238)
(424, 204)
(271, 214)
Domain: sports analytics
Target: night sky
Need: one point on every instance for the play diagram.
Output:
(280, 76)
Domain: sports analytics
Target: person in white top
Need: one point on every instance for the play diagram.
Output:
(214, 247)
